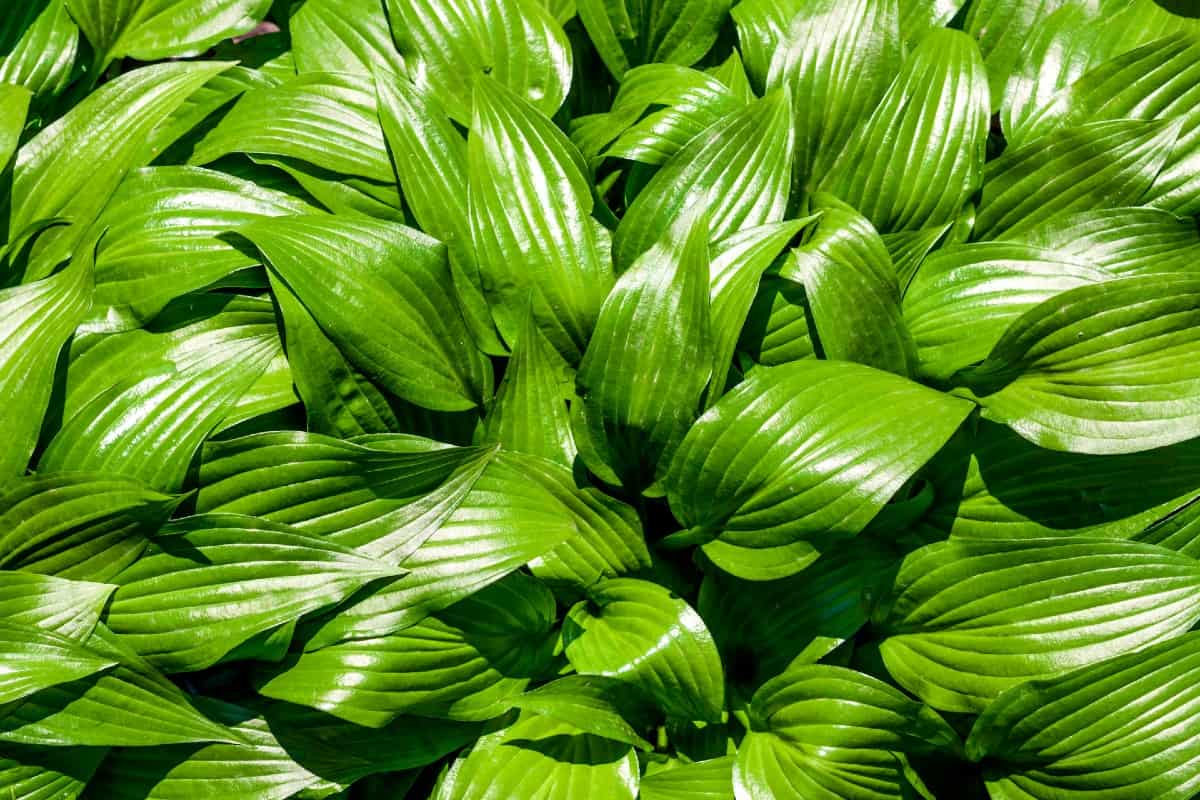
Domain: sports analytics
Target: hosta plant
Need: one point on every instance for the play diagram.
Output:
(599, 400)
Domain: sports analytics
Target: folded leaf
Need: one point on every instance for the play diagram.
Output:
(606, 707)
(642, 633)
(154, 29)
(762, 27)
(65, 607)
(1123, 241)
(785, 464)
(918, 17)
(970, 618)
(671, 31)
(777, 328)
(330, 36)
(1107, 368)
(40, 42)
(711, 779)
(36, 658)
(210, 582)
(42, 773)
(1003, 28)
(937, 106)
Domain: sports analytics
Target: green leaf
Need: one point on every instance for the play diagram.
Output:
(1093, 166)
(39, 42)
(36, 320)
(711, 779)
(1176, 530)
(778, 329)
(970, 618)
(784, 465)
(46, 773)
(448, 44)
(672, 31)
(546, 757)
(642, 633)
(68, 608)
(210, 582)
(1004, 28)
(14, 105)
(738, 170)
(530, 203)
(149, 30)
(938, 105)
(850, 287)
(964, 297)
(162, 241)
(140, 403)
(824, 731)
(36, 659)
(1121, 728)
(328, 120)
(762, 27)
(467, 663)
(392, 281)
(330, 36)
(645, 367)
(131, 704)
(597, 705)
(909, 249)
(837, 60)
(72, 167)
(1123, 241)
(918, 17)
(1100, 369)
(82, 526)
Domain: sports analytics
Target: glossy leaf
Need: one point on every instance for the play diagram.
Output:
(1123, 241)
(65, 607)
(669, 31)
(1003, 28)
(711, 779)
(762, 27)
(36, 658)
(153, 29)
(14, 103)
(40, 42)
(341, 37)
(607, 707)
(46, 773)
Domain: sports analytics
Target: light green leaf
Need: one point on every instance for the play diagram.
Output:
(850, 287)
(970, 618)
(163, 236)
(68, 608)
(738, 170)
(36, 658)
(448, 44)
(965, 297)
(39, 41)
(329, 36)
(1093, 166)
(711, 779)
(1123, 241)
(837, 60)
(777, 328)
(823, 732)
(642, 633)
(72, 167)
(14, 105)
(351, 196)
(672, 31)
(1004, 28)
(149, 30)
(1121, 728)
(543, 757)
(391, 282)
(598, 705)
(46, 773)
(530, 203)
(1178, 530)
(918, 17)
(762, 27)
(645, 368)
(1107, 368)
(210, 582)
(938, 104)
(466, 664)
(82, 526)
(909, 249)
(780, 468)
(36, 320)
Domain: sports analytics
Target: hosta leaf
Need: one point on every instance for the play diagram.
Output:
(46, 773)
(642, 633)
(14, 105)
(530, 203)
(823, 732)
(392, 281)
(918, 17)
(448, 44)
(711, 779)
(162, 238)
(1178, 530)
(72, 167)
(1003, 28)
(384, 497)
(505, 521)
(851, 292)
(762, 27)
(909, 249)
(645, 368)
(1123, 241)
(131, 704)
(1122, 728)
(1098, 165)
(39, 42)
(210, 582)
(1100, 369)
(939, 99)
(431, 160)
(539, 756)
(351, 196)
(154, 29)
(325, 119)
(36, 659)
(777, 328)
(466, 663)
(36, 320)
(598, 705)
(779, 468)
(837, 61)
(332, 36)
(970, 618)
(65, 607)
(82, 526)
(140, 403)
(672, 31)
(738, 170)
(964, 297)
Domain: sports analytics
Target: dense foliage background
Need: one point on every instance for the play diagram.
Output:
(599, 399)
